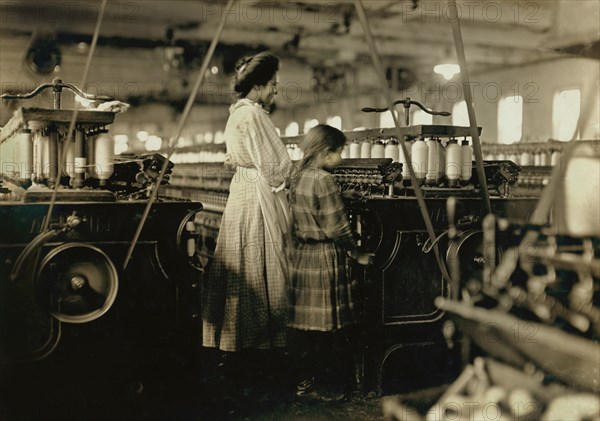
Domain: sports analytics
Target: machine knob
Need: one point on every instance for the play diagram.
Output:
(78, 282)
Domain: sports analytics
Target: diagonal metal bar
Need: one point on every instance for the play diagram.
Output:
(464, 72)
(86, 72)
(376, 58)
(181, 124)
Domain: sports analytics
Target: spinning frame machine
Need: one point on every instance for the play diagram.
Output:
(63, 285)
(400, 322)
(417, 234)
(403, 221)
(100, 278)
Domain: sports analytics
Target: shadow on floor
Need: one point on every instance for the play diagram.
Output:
(182, 389)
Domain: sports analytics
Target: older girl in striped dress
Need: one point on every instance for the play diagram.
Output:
(320, 294)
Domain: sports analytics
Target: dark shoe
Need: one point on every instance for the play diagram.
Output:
(305, 386)
(308, 390)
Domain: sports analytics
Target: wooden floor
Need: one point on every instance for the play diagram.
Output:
(189, 386)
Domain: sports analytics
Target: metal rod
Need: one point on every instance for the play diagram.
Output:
(182, 121)
(464, 72)
(375, 57)
(75, 113)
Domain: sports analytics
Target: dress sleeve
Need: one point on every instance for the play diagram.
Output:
(332, 215)
(267, 149)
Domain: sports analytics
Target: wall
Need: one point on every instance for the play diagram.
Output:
(536, 83)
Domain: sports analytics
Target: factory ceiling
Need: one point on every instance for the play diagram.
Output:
(150, 41)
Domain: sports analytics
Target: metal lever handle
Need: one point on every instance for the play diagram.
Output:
(407, 103)
(57, 85)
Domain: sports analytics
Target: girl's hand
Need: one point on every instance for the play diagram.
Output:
(365, 259)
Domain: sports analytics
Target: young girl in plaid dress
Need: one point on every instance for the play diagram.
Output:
(320, 291)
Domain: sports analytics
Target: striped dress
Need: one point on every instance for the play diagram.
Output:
(244, 293)
(320, 291)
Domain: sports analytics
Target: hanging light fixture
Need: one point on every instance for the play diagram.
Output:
(447, 70)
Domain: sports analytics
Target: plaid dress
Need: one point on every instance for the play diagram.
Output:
(244, 294)
(320, 293)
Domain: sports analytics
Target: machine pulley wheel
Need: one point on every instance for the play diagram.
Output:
(467, 249)
(77, 282)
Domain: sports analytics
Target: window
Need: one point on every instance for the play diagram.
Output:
(335, 121)
(309, 124)
(121, 141)
(565, 114)
(386, 120)
(460, 115)
(292, 129)
(421, 117)
(510, 119)
(153, 143)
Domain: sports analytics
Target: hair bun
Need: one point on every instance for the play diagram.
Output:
(242, 64)
(253, 71)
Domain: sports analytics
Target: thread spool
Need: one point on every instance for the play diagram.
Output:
(6, 157)
(53, 156)
(377, 150)
(433, 162)
(525, 158)
(354, 149)
(45, 156)
(79, 160)
(297, 153)
(555, 158)
(442, 160)
(346, 151)
(34, 142)
(420, 155)
(90, 155)
(25, 153)
(466, 154)
(392, 150)
(404, 161)
(37, 157)
(104, 151)
(453, 163)
(543, 159)
(537, 159)
(70, 159)
(365, 149)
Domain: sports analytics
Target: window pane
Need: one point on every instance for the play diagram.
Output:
(386, 120)
(565, 114)
(421, 117)
(309, 124)
(510, 119)
(335, 121)
(460, 115)
(292, 129)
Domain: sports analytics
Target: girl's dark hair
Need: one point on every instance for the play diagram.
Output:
(254, 71)
(319, 138)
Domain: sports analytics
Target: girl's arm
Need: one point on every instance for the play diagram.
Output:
(332, 214)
